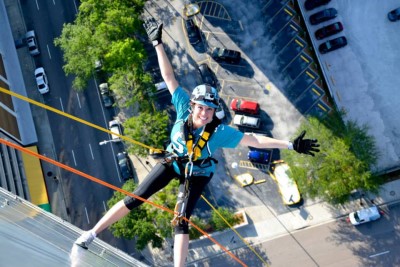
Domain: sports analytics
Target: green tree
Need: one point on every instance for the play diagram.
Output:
(103, 30)
(149, 129)
(220, 217)
(136, 224)
(347, 156)
(201, 223)
(133, 87)
(146, 223)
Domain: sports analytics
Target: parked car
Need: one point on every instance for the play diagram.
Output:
(103, 87)
(323, 15)
(41, 81)
(115, 127)
(394, 15)
(364, 215)
(193, 31)
(125, 166)
(161, 86)
(107, 99)
(227, 55)
(286, 184)
(240, 105)
(32, 43)
(207, 75)
(259, 156)
(246, 121)
(329, 30)
(311, 4)
(98, 64)
(244, 179)
(220, 113)
(332, 45)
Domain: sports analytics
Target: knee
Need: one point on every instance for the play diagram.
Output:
(182, 228)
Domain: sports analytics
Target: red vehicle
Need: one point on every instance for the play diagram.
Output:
(240, 105)
(329, 30)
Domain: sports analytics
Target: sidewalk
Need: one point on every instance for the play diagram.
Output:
(42, 125)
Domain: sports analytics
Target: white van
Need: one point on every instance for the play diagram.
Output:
(161, 86)
(115, 127)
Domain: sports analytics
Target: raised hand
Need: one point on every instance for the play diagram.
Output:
(153, 30)
(305, 146)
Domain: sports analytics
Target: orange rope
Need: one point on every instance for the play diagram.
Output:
(96, 180)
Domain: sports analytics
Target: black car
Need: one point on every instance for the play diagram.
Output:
(333, 44)
(108, 100)
(223, 54)
(394, 15)
(311, 4)
(207, 76)
(124, 165)
(192, 31)
(323, 15)
(329, 30)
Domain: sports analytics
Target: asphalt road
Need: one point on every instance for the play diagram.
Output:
(75, 144)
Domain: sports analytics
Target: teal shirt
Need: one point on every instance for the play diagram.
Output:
(223, 136)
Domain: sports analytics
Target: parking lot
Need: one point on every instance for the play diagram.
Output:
(363, 76)
(278, 71)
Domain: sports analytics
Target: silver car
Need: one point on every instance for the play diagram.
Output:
(41, 81)
(32, 43)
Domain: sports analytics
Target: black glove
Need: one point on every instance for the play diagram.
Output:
(153, 30)
(305, 146)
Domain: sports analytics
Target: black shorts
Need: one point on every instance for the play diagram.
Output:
(157, 179)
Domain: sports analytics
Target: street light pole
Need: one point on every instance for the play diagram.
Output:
(109, 141)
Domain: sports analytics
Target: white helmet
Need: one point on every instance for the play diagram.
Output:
(205, 95)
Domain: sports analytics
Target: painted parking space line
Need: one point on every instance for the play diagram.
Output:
(213, 9)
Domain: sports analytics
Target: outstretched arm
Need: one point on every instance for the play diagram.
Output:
(154, 31)
(300, 145)
(166, 69)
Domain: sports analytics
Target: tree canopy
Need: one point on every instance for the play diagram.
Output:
(344, 164)
(146, 223)
(103, 30)
(148, 128)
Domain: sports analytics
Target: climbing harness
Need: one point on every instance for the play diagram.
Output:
(192, 159)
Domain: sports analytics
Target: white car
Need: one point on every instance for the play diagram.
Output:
(286, 184)
(220, 113)
(246, 121)
(161, 86)
(32, 43)
(115, 127)
(364, 215)
(41, 81)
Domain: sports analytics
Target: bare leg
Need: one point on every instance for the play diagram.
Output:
(181, 247)
(117, 211)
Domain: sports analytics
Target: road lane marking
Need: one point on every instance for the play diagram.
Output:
(48, 51)
(37, 5)
(87, 216)
(79, 102)
(379, 254)
(104, 205)
(62, 107)
(76, 8)
(73, 156)
(91, 151)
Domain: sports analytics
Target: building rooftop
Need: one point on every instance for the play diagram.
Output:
(31, 236)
